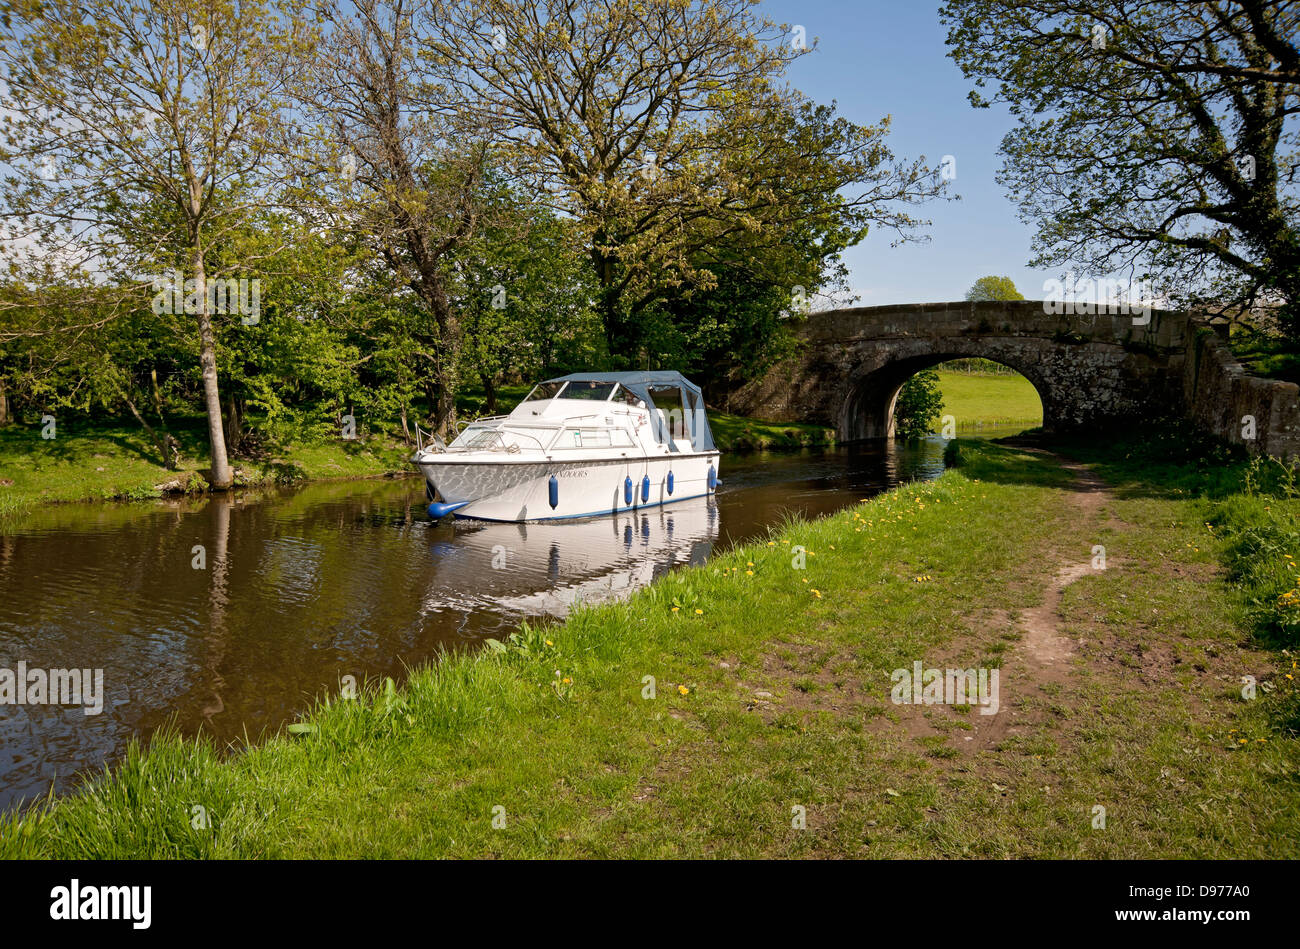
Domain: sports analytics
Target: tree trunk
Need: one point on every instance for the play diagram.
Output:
(171, 447)
(167, 446)
(444, 362)
(4, 405)
(444, 409)
(234, 424)
(490, 391)
(220, 478)
(620, 335)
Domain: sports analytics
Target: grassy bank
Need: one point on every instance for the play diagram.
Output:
(1120, 688)
(1265, 354)
(979, 400)
(87, 461)
(116, 461)
(737, 433)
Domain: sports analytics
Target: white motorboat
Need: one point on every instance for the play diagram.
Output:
(578, 446)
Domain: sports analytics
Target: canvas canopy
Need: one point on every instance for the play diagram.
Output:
(684, 407)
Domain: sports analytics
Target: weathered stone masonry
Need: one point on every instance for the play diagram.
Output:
(1093, 372)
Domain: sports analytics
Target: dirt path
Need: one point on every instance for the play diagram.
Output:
(1044, 647)
(1042, 660)
(1044, 654)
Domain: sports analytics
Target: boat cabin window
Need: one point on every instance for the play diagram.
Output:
(594, 438)
(544, 390)
(589, 391)
(628, 397)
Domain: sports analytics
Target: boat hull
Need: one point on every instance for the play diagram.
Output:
(520, 490)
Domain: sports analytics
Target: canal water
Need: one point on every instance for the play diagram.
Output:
(229, 614)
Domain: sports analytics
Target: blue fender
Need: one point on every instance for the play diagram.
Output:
(627, 490)
(553, 490)
(438, 511)
(670, 482)
(645, 489)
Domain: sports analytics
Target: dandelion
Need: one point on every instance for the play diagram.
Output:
(676, 608)
(749, 573)
(817, 593)
(699, 612)
(549, 643)
(683, 690)
(568, 681)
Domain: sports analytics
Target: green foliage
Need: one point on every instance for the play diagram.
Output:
(1193, 191)
(919, 405)
(692, 237)
(993, 288)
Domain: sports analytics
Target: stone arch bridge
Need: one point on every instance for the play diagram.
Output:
(1093, 371)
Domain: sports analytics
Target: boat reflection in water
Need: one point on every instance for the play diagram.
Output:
(301, 587)
(546, 568)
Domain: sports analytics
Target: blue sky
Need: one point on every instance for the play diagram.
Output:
(878, 57)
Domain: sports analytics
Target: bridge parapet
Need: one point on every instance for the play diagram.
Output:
(1164, 328)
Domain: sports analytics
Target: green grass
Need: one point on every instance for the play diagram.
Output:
(102, 461)
(737, 433)
(976, 400)
(772, 690)
(1267, 354)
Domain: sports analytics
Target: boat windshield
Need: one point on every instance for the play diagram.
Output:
(590, 391)
(544, 390)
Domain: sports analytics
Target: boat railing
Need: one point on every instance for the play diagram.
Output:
(427, 441)
(466, 423)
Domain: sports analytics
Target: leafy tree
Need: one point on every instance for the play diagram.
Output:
(522, 289)
(1156, 138)
(399, 171)
(299, 368)
(918, 406)
(135, 135)
(993, 288)
(665, 128)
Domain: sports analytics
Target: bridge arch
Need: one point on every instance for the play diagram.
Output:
(871, 390)
(1092, 370)
(1089, 369)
